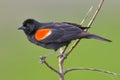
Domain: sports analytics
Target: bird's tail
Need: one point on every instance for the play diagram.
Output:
(93, 36)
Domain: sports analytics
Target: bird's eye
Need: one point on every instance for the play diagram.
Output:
(30, 27)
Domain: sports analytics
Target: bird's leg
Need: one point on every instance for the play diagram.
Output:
(65, 49)
(42, 59)
(62, 51)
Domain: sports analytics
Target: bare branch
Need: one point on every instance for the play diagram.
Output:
(92, 69)
(73, 46)
(89, 25)
(61, 69)
(86, 15)
(78, 40)
(96, 13)
(53, 69)
(42, 58)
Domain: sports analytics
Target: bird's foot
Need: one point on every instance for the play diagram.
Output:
(42, 59)
(61, 55)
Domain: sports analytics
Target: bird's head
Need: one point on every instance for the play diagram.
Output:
(29, 26)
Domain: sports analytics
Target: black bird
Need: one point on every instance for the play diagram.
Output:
(54, 35)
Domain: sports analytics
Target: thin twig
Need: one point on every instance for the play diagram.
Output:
(86, 15)
(53, 69)
(73, 46)
(80, 24)
(89, 25)
(92, 69)
(42, 58)
(78, 40)
(96, 13)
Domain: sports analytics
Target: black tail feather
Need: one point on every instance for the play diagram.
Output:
(93, 36)
(98, 38)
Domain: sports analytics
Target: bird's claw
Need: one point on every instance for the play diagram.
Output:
(42, 59)
(61, 55)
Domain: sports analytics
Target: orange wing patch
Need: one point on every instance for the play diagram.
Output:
(42, 34)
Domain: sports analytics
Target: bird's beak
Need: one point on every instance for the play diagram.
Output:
(21, 28)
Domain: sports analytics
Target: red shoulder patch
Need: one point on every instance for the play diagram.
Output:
(42, 34)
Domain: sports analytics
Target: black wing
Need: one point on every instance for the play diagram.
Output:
(61, 32)
(77, 25)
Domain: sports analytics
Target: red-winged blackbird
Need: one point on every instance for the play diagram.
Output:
(54, 35)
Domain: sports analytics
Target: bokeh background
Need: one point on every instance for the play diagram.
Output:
(19, 59)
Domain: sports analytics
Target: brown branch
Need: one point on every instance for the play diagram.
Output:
(86, 15)
(96, 13)
(92, 69)
(89, 25)
(78, 40)
(61, 69)
(42, 58)
(73, 46)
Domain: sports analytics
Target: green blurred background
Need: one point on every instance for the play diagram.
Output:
(19, 59)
